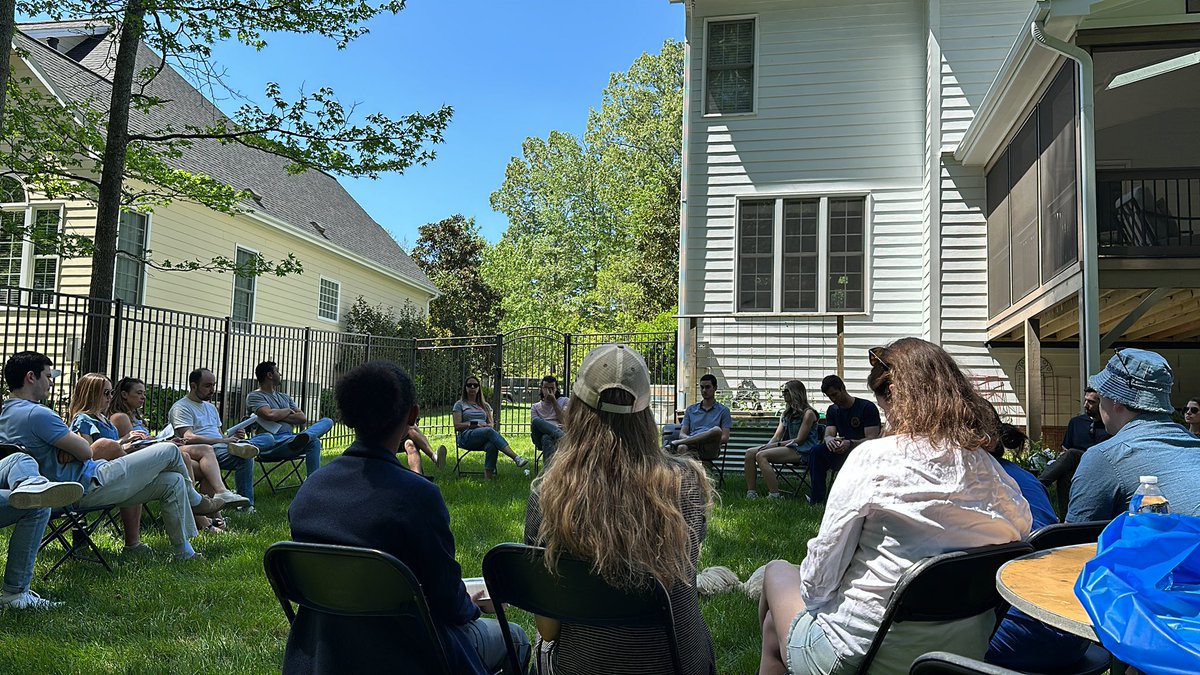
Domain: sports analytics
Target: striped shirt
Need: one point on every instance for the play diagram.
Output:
(636, 651)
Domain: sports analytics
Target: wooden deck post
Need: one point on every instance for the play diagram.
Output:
(841, 346)
(1033, 380)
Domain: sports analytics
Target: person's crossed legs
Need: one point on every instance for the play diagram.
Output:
(287, 445)
(26, 499)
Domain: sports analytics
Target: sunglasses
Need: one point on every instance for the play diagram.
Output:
(1192, 410)
(875, 356)
(108, 392)
(472, 385)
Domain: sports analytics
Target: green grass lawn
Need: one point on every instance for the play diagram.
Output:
(219, 615)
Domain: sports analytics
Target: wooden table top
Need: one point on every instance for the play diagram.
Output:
(1042, 585)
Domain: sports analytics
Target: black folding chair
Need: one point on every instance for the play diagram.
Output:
(947, 587)
(352, 581)
(945, 663)
(516, 574)
(292, 466)
(460, 453)
(72, 529)
(1067, 534)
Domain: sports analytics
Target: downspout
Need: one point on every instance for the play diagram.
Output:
(684, 351)
(1089, 315)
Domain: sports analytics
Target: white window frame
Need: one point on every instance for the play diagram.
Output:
(337, 303)
(822, 252)
(141, 292)
(233, 292)
(704, 66)
(29, 257)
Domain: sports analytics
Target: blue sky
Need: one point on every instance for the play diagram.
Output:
(510, 70)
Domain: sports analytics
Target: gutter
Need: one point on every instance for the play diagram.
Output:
(1089, 316)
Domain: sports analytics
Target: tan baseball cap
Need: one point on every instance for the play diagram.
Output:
(613, 367)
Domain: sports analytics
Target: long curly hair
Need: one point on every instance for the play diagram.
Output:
(928, 395)
(612, 496)
(89, 395)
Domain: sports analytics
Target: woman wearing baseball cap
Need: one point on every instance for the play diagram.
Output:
(615, 497)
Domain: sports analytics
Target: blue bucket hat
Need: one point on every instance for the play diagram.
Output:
(1137, 379)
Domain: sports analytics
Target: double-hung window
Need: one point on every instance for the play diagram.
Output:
(329, 299)
(27, 244)
(130, 273)
(243, 291)
(802, 254)
(729, 67)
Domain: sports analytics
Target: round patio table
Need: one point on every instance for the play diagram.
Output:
(1042, 584)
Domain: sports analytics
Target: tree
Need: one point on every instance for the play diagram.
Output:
(592, 241)
(450, 252)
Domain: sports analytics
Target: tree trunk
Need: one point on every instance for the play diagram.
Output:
(8, 19)
(108, 208)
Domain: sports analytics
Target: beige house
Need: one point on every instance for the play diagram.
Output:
(344, 251)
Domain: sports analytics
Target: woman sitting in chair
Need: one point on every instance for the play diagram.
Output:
(928, 487)
(476, 428)
(615, 497)
(793, 440)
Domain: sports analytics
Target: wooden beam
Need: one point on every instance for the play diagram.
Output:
(1178, 315)
(1033, 380)
(1176, 325)
(1151, 299)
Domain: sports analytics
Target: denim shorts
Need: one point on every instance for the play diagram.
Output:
(801, 449)
(809, 651)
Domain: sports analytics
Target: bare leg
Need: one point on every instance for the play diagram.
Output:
(778, 606)
(412, 457)
(209, 473)
(421, 442)
(751, 473)
(779, 454)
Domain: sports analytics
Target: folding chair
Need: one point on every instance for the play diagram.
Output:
(516, 574)
(945, 663)
(946, 587)
(355, 582)
(292, 466)
(460, 453)
(795, 476)
(72, 529)
(1067, 534)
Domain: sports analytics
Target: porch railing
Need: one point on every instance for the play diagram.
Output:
(1153, 213)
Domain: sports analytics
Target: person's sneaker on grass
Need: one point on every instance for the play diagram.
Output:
(210, 505)
(521, 461)
(26, 600)
(233, 499)
(242, 450)
(751, 494)
(37, 492)
(774, 495)
(137, 550)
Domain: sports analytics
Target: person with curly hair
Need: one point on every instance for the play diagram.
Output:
(927, 487)
(648, 515)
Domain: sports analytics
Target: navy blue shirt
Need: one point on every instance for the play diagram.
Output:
(1083, 432)
(368, 498)
(1034, 492)
(852, 422)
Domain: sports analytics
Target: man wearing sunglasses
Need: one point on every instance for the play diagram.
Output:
(1135, 405)
(1083, 431)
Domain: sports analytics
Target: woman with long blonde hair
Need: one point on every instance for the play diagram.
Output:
(476, 428)
(794, 439)
(927, 487)
(615, 497)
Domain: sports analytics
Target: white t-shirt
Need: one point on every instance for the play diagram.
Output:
(899, 499)
(201, 416)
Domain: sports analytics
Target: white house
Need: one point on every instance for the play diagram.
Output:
(858, 172)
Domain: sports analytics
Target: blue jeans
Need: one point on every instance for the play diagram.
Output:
(485, 636)
(487, 439)
(545, 437)
(274, 447)
(30, 523)
(820, 462)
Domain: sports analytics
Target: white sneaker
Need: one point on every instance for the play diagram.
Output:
(39, 494)
(774, 495)
(233, 499)
(521, 461)
(26, 600)
(751, 494)
(243, 450)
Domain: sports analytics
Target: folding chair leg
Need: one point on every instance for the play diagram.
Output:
(73, 532)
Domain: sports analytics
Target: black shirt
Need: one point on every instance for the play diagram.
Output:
(1083, 432)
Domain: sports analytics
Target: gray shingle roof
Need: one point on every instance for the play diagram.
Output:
(298, 200)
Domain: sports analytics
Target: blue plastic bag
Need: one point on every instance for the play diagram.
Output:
(1124, 591)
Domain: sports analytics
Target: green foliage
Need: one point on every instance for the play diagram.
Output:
(592, 241)
(450, 252)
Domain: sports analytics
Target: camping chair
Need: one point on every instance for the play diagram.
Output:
(460, 453)
(794, 476)
(946, 587)
(72, 529)
(288, 467)
(945, 663)
(517, 574)
(352, 581)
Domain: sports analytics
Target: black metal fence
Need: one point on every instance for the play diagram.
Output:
(161, 346)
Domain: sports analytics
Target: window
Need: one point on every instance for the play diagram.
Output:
(243, 291)
(130, 273)
(729, 67)
(27, 251)
(328, 299)
(819, 265)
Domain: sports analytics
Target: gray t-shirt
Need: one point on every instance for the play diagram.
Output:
(471, 412)
(271, 399)
(201, 416)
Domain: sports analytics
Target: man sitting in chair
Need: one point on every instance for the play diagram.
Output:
(706, 424)
(368, 498)
(849, 422)
(277, 415)
(546, 425)
(196, 421)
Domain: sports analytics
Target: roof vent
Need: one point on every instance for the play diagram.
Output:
(318, 227)
(255, 195)
(52, 43)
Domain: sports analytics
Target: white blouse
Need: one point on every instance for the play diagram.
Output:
(899, 499)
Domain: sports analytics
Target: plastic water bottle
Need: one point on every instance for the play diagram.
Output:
(1148, 498)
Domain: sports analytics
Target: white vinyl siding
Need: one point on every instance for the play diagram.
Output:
(729, 67)
(130, 272)
(243, 289)
(329, 299)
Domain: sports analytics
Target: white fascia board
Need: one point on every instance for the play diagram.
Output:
(291, 230)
